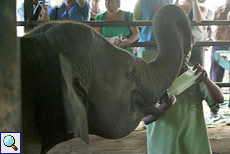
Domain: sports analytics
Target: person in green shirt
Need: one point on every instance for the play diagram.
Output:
(119, 36)
(182, 130)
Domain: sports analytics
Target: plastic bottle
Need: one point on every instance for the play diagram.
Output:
(183, 82)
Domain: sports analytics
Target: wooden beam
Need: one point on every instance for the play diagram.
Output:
(10, 102)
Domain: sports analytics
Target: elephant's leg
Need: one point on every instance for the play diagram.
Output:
(31, 140)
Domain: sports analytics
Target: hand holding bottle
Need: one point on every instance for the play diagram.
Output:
(203, 74)
(164, 106)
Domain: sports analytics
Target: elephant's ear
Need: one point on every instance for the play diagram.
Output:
(75, 110)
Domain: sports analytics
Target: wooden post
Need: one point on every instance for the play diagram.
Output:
(28, 12)
(10, 100)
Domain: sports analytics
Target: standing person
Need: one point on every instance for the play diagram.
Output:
(182, 130)
(75, 10)
(95, 9)
(21, 10)
(119, 36)
(145, 10)
(221, 33)
(228, 123)
(197, 11)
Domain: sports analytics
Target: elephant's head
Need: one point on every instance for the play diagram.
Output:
(128, 86)
(85, 85)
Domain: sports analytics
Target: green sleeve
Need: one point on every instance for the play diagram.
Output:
(97, 18)
(131, 16)
(100, 17)
(207, 97)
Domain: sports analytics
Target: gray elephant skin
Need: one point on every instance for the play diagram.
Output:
(75, 83)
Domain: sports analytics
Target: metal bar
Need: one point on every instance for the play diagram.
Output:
(29, 23)
(215, 43)
(28, 13)
(223, 84)
(118, 23)
(128, 23)
(213, 22)
(149, 23)
(200, 43)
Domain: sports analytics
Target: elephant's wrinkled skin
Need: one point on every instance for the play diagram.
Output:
(74, 82)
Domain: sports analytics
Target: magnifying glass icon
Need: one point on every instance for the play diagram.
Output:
(9, 141)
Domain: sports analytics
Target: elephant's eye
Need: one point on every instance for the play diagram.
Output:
(130, 75)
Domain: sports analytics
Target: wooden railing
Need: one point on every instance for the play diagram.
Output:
(128, 23)
(144, 23)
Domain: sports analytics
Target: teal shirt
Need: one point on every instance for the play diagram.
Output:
(149, 9)
(108, 31)
(182, 130)
(76, 13)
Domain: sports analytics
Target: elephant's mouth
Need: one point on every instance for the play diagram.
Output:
(137, 98)
(147, 107)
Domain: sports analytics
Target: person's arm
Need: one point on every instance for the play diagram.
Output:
(127, 41)
(82, 3)
(209, 34)
(164, 106)
(199, 11)
(209, 17)
(21, 12)
(135, 34)
(98, 29)
(217, 11)
(45, 15)
(228, 17)
(176, 2)
(213, 90)
(137, 11)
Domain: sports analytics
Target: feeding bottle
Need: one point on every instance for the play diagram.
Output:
(183, 82)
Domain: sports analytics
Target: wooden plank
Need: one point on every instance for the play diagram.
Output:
(223, 58)
(123, 23)
(10, 102)
(223, 84)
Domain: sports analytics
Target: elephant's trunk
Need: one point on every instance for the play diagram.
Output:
(173, 37)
